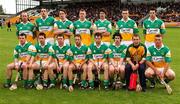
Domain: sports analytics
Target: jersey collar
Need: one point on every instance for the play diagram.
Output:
(44, 44)
(152, 20)
(64, 21)
(116, 45)
(159, 48)
(82, 21)
(124, 20)
(24, 44)
(79, 47)
(25, 23)
(96, 44)
(45, 18)
(102, 20)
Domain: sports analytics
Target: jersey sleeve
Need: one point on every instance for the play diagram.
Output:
(32, 50)
(148, 56)
(16, 54)
(51, 51)
(168, 56)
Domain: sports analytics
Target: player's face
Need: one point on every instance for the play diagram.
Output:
(98, 39)
(43, 12)
(41, 39)
(24, 17)
(77, 41)
(102, 15)
(22, 39)
(152, 14)
(136, 41)
(62, 15)
(60, 40)
(125, 14)
(158, 41)
(82, 14)
(117, 39)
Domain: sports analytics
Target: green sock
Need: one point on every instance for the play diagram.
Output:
(70, 82)
(91, 83)
(45, 81)
(8, 81)
(83, 83)
(53, 81)
(106, 82)
(25, 82)
(64, 80)
(31, 82)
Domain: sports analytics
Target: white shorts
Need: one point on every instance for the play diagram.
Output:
(107, 43)
(43, 63)
(148, 44)
(50, 40)
(127, 43)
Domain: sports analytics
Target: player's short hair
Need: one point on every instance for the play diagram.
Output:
(125, 9)
(82, 10)
(136, 35)
(153, 9)
(158, 36)
(63, 10)
(22, 34)
(103, 10)
(77, 35)
(116, 34)
(97, 35)
(42, 34)
(60, 35)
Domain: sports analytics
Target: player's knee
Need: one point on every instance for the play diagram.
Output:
(170, 75)
(149, 74)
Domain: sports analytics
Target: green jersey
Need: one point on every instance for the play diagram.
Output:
(66, 25)
(98, 53)
(28, 29)
(127, 28)
(46, 26)
(117, 52)
(104, 26)
(83, 28)
(158, 57)
(78, 54)
(43, 52)
(151, 28)
(21, 52)
(60, 53)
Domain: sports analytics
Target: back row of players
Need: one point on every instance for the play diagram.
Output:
(59, 55)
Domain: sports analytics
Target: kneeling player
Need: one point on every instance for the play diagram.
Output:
(61, 59)
(98, 53)
(118, 53)
(22, 55)
(158, 59)
(43, 58)
(78, 58)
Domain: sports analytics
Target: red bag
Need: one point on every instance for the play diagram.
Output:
(132, 82)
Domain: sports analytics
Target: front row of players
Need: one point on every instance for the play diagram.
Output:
(87, 62)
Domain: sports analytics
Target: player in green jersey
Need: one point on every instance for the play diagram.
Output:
(158, 59)
(22, 58)
(61, 62)
(26, 27)
(83, 27)
(98, 53)
(78, 58)
(126, 27)
(152, 26)
(63, 26)
(103, 26)
(117, 56)
(45, 24)
(43, 57)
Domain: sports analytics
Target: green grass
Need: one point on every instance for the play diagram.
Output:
(55, 96)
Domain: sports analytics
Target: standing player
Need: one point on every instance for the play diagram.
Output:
(26, 27)
(22, 56)
(78, 57)
(152, 26)
(63, 26)
(43, 57)
(135, 57)
(104, 27)
(126, 27)
(98, 53)
(61, 59)
(117, 56)
(158, 59)
(83, 27)
(45, 24)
